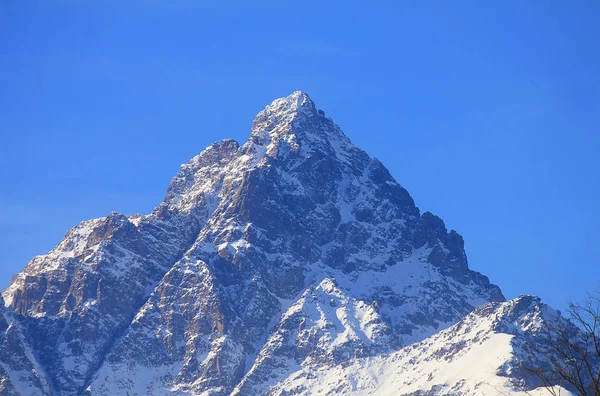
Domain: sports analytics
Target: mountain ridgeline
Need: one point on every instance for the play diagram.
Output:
(291, 264)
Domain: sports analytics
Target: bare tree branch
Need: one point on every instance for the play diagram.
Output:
(568, 351)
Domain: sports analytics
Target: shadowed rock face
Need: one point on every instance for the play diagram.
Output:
(294, 249)
(20, 372)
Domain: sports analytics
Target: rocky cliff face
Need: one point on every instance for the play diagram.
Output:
(294, 251)
(20, 372)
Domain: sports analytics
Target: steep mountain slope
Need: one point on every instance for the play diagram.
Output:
(20, 372)
(294, 250)
(480, 355)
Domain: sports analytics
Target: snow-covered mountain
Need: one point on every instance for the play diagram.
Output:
(291, 264)
(480, 355)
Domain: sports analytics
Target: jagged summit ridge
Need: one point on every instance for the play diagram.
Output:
(293, 124)
(295, 249)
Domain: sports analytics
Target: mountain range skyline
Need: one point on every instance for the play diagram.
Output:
(179, 217)
(293, 263)
(494, 129)
(135, 200)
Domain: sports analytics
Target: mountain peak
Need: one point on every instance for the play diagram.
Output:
(295, 249)
(292, 126)
(297, 100)
(280, 114)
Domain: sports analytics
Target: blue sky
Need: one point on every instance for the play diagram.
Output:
(487, 112)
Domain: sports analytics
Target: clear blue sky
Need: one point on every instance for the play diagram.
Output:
(487, 112)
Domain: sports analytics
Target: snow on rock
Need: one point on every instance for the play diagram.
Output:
(477, 356)
(20, 372)
(292, 253)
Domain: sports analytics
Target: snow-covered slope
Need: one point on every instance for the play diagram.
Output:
(480, 355)
(294, 251)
